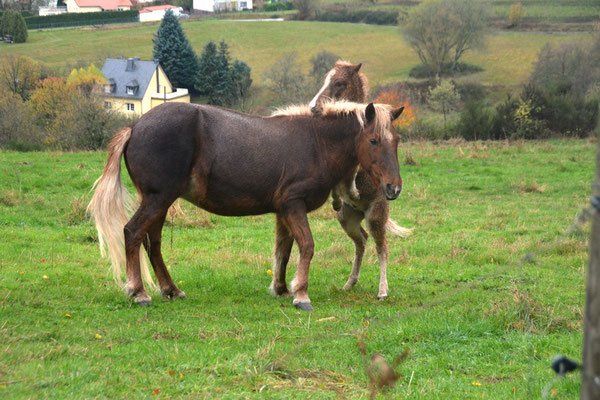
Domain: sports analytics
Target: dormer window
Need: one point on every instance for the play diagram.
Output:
(110, 87)
(131, 87)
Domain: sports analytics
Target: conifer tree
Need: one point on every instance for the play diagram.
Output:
(222, 82)
(174, 52)
(19, 28)
(240, 72)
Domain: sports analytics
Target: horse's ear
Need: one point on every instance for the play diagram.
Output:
(356, 67)
(396, 113)
(370, 113)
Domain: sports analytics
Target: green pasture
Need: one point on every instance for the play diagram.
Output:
(507, 60)
(478, 324)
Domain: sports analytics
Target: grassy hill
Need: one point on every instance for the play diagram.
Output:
(507, 59)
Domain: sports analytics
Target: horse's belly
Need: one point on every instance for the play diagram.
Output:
(224, 199)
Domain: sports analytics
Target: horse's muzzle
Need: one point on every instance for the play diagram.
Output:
(392, 191)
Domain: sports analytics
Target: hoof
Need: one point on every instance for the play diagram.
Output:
(143, 300)
(382, 297)
(281, 291)
(173, 294)
(304, 306)
(349, 285)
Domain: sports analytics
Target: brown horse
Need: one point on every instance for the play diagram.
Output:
(235, 164)
(357, 198)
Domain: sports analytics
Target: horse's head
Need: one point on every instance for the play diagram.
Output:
(343, 81)
(378, 149)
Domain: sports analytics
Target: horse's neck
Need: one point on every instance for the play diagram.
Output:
(359, 94)
(340, 145)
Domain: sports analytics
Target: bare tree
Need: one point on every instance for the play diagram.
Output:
(19, 74)
(441, 31)
(287, 80)
(306, 8)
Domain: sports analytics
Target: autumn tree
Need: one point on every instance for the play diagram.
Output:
(86, 80)
(516, 14)
(441, 31)
(393, 98)
(174, 52)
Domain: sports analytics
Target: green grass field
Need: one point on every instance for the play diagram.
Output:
(476, 322)
(507, 60)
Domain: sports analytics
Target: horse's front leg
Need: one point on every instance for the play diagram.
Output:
(376, 221)
(295, 218)
(283, 247)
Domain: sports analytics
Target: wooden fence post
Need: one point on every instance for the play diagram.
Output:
(590, 384)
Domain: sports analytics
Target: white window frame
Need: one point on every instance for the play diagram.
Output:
(130, 107)
(107, 105)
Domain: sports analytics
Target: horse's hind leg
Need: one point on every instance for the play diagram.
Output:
(295, 218)
(283, 247)
(376, 220)
(148, 214)
(168, 289)
(350, 220)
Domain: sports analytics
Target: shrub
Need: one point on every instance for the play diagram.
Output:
(470, 91)
(476, 121)
(359, 16)
(447, 70)
(306, 8)
(278, 6)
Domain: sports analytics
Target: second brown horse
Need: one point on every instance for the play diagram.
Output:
(234, 164)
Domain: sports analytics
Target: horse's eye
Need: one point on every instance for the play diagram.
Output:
(338, 84)
(373, 142)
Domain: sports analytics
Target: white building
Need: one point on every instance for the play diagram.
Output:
(156, 13)
(222, 5)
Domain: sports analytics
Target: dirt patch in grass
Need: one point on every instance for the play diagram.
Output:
(522, 313)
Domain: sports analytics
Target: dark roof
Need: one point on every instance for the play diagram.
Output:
(114, 69)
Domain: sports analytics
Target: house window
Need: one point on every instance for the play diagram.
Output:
(244, 4)
(130, 107)
(130, 90)
(107, 105)
(107, 89)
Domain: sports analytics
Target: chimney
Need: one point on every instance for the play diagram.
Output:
(130, 65)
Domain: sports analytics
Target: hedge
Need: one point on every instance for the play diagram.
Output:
(91, 18)
(359, 16)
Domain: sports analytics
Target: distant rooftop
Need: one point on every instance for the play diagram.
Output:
(104, 4)
(132, 73)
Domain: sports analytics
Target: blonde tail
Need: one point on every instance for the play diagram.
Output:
(111, 207)
(396, 229)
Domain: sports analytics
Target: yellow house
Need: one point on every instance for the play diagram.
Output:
(81, 6)
(134, 87)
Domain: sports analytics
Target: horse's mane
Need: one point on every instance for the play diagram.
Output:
(363, 78)
(341, 108)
